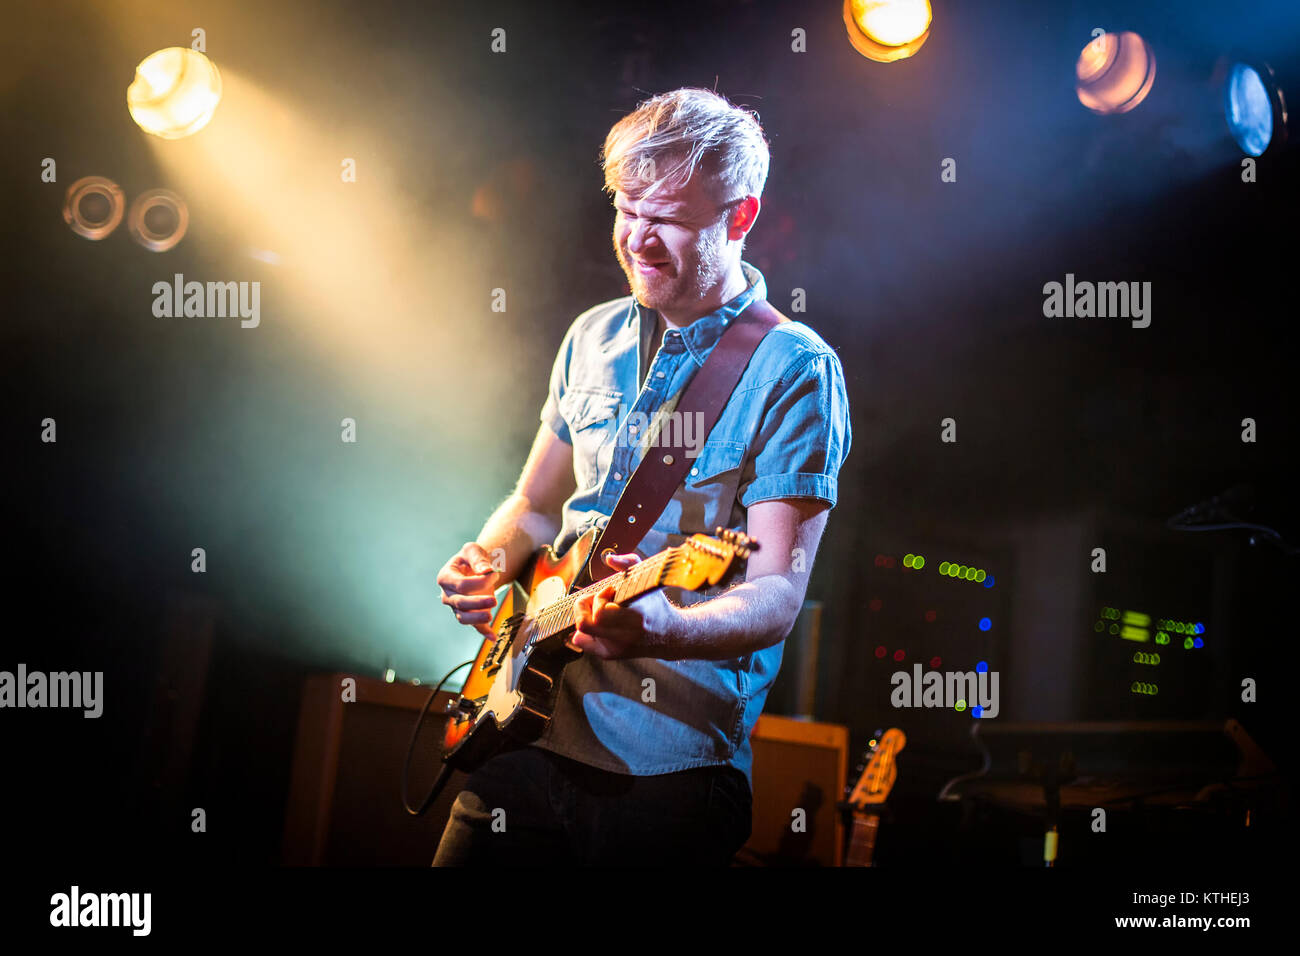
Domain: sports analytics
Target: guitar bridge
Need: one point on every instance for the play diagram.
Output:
(505, 636)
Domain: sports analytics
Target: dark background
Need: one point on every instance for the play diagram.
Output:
(1072, 433)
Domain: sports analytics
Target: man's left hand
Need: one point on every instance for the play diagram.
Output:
(647, 626)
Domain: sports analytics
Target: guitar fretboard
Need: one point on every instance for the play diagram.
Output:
(635, 581)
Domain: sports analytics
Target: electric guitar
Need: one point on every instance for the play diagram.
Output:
(509, 696)
(868, 796)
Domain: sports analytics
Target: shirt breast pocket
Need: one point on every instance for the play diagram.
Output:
(709, 492)
(591, 413)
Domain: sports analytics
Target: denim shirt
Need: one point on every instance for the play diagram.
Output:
(784, 433)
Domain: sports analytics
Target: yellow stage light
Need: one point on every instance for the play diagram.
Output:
(175, 92)
(887, 30)
(1115, 72)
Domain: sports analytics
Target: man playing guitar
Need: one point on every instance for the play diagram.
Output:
(646, 759)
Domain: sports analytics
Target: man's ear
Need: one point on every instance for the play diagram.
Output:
(742, 219)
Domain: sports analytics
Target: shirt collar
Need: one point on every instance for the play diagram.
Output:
(701, 335)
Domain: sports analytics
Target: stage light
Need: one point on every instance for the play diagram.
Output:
(887, 30)
(93, 206)
(1254, 107)
(175, 92)
(1115, 72)
(158, 219)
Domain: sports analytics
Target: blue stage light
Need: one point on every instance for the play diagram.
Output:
(1254, 108)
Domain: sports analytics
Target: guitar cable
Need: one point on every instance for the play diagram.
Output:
(445, 773)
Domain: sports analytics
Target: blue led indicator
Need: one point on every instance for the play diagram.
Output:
(988, 582)
(985, 624)
(982, 667)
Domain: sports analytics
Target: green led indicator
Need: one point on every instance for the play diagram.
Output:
(918, 562)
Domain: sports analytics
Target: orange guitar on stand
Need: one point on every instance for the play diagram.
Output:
(869, 794)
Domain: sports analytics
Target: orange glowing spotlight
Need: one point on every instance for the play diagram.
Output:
(887, 30)
(175, 92)
(1115, 72)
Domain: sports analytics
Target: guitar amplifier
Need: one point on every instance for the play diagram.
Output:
(799, 779)
(345, 805)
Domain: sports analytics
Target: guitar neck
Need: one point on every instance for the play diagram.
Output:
(862, 844)
(557, 620)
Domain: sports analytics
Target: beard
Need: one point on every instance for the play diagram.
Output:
(686, 281)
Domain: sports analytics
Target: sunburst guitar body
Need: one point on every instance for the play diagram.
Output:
(509, 696)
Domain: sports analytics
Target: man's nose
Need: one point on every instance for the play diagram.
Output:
(641, 237)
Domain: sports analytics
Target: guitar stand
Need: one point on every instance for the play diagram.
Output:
(1052, 775)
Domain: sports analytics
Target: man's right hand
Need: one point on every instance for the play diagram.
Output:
(467, 582)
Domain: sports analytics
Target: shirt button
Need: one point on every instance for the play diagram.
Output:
(617, 476)
(659, 374)
(631, 429)
(695, 471)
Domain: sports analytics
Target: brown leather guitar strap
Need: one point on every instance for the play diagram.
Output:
(662, 470)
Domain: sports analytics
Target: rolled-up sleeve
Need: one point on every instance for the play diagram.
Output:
(804, 436)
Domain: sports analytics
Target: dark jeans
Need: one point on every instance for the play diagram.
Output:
(530, 807)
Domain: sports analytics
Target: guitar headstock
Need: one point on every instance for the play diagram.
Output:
(881, 771)
(702, 559)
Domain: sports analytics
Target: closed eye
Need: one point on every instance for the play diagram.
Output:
(654, 219)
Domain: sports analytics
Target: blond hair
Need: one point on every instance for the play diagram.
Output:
(666, 138)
